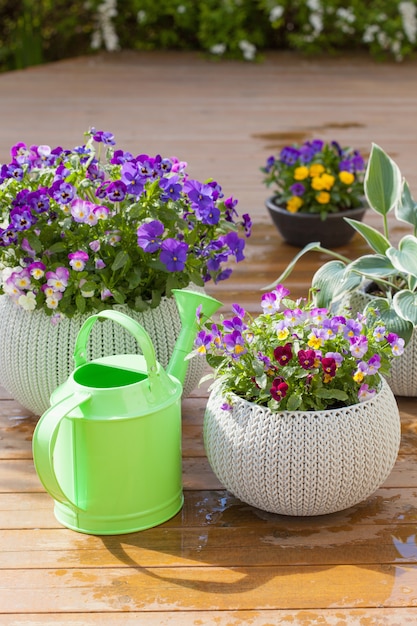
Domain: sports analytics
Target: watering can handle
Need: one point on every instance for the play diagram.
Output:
(44, 440)
(135, 329)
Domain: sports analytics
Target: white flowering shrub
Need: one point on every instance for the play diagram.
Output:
(241, 29)
(245, 28)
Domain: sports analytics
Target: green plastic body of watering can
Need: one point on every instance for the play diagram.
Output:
(109, 448)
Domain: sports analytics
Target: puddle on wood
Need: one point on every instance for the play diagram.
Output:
(21, 423)
(287, 137)
(341, 125)
(280, 139)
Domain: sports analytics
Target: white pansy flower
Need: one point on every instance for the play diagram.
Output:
(27, 301)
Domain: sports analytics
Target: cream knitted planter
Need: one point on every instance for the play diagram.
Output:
(36, 357)
(403, 375)
(302, 463)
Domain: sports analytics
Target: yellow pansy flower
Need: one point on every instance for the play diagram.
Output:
(317, 183)
(358, 376)
(283, 333)
(294, 204)
(316, 169)
(328, 181)
(323, 197)
(346, 177)
(300, 173)
(314, 342)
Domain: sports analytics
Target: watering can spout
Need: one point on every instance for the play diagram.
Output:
(187, 303)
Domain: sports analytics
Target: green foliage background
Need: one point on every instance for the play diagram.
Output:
(38, 31)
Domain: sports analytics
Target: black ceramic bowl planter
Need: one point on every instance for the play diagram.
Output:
(299, 229)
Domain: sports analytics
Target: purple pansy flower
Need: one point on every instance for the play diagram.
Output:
(149, 235)
(174, 254)
(116, 191)
(77, 260)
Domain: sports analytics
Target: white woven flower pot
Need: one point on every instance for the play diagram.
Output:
(302, 463)
(36, 357)
(403, 375)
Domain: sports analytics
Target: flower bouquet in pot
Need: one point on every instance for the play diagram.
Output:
(95, 227)
(314, 185)
(300, 419)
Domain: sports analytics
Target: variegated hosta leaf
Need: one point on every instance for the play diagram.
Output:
(406, 211)
(373, 266)
(331, 282)
(390, 318)
(405, 258)
(376, 240)
(382, 183)
(405, 305)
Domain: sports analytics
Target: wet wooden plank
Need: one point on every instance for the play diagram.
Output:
(256, 545)
(207, 588)
(218, 508)
(341, 617)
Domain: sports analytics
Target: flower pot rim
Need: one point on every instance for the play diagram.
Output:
(271, 203)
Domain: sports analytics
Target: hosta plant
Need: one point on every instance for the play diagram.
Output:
(388, 272)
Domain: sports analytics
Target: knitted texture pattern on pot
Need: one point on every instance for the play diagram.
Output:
(36, 356)
(302, 463)
(403, 375)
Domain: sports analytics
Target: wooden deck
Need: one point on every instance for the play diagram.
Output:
(218, 562)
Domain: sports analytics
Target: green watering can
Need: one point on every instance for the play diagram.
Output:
(108, 450)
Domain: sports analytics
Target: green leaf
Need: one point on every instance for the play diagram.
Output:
(118, 296)
(80, 303)
(390, 318)
(293, 403)
(156, 298)
(34, 242)
(373, 266)
(337, 394)
(376, 240)
(261, 381)
(213, 360)
(405, 305)
(120, 260)
(331, 281)
(405, 258)
(89, 286)
(140, 305)
(57, 247)
(406, 210)
(134, 278)
(382, 183)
